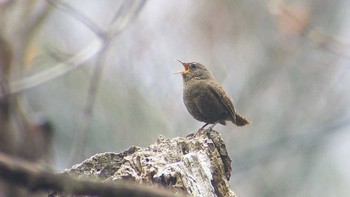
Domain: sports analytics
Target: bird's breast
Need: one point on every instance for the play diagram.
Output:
(193, 89)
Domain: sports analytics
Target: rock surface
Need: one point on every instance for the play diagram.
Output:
(197, 164)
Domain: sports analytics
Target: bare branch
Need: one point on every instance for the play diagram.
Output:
(124, 15)
(57, 70)
(83, 125)
(34, 178)
(79, 16)
(115, 27)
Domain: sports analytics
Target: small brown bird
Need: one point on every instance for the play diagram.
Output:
(205, 99)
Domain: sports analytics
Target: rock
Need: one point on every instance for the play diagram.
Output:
(197, 164)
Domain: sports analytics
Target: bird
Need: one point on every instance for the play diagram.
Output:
(205, 99)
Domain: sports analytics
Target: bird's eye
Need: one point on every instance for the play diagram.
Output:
(193, 65)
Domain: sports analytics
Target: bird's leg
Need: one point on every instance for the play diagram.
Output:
(204, 126)
(213, 125)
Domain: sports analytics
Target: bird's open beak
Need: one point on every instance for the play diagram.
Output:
(187, 69)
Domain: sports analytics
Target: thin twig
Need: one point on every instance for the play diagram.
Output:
(79, 16)
(120, 21)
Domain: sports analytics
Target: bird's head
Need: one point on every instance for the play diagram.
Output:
(194, 70)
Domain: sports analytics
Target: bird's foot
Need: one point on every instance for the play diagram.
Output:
(203, 129)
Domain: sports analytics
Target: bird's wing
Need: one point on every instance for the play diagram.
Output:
(219, 93)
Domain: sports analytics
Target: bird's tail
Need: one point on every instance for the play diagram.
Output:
(241, 120)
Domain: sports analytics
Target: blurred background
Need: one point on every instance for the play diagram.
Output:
(93, 76)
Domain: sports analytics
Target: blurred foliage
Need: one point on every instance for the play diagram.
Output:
(285, 63)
